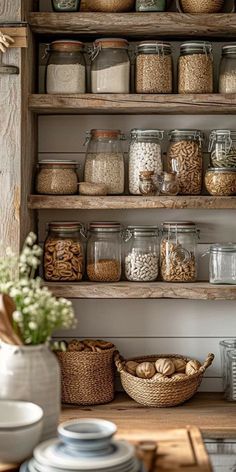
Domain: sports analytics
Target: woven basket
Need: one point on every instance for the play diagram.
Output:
(200, 6)
(87, 377)
(156, 393)
(110, 6)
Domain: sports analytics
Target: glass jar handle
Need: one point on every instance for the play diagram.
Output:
(127, 235)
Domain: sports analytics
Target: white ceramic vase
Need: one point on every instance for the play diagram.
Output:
(32, 373)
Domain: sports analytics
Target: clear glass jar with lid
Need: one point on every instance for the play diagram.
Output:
(57, 177)
(168, 184)
(222, 148)
(141, 253)
(154, 68)
(150, 5)
(66, 69)
(110, 69)
(227, 76)
(179, 252)
(221, 181)
(104, 162)
(228, 364)
(222, 265)
(195, 68)
(144, 155)
(104, 252)
(64, 252)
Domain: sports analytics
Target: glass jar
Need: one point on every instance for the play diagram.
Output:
(154, 68)
(222, 265)
(110, 69)
(195, 68)
(185, 157)
(57, 178)
(141, 254)
(146, 185)
(104, 162)
(104, 252)
(222, 147)
(150, 5)
(66, 5)
(64, 252)
(144, 155)
(169, 184)
(221, 181)
(228, 350)
(200, 6)
(227, 77)
(179, 252)
(66, 70)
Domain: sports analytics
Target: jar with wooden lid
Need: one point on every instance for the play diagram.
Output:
(110, 6)
(64, 252)
(227, 76)
(66, 69)
(141, 253)
(110, 68)
(200, 6)
(195, 68)
(57, 178)
(65, 5)
(150, 5)
(222, 148)
(221, 181)
(147, 186)
(154, 68)
(104, 162)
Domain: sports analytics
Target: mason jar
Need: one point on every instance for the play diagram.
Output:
(57, 178)
(150, 5)
(222, 148)
(227, 76)
(64, 252)
(221, 181)
(222, 265)
(141, 254)
(227, 348)
(104, 161)
(65, 5)
(195, 68)
(154, 68)
(179, 252)
(104, 252)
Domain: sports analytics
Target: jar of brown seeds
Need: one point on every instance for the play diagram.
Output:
(57, 178)
(154, 68)
(195, 68)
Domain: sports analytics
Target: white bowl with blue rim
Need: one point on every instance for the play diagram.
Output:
(87, 435)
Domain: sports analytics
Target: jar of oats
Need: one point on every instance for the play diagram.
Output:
(179, 251)
(185, 157)
(221, 181)
(227, 78)
(154, 68)
(195, 68)
(57, 178)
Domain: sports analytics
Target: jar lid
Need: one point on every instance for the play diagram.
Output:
(229, 49)
(105, 226)
(216, 248)
(222, 132)
(105, 133)
(183, 133)
(116, 43)
(66, 45)
(65, 226)
(169, 176)
(179, 225)
(154, 47)
(221, 169)
(54, 162)
(143, 229)
(147, 133)
(196, 47)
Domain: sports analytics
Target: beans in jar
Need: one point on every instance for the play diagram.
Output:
(221, 181)
(57, 178)
(154, 68)
(195, 69)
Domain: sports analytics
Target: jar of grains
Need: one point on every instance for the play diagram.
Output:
(104, 163)
(66, 69)
(200, 6)
(64, 252)
(141, 254)
(150, 5)
(185, 158)
(144, 155)
(221, 181)
(110, 69)
(178, 252)
(227, 78)
(154, 68)
(104, 252)
(57, 178)
(222, 148)
(222, 265)
(195, 68)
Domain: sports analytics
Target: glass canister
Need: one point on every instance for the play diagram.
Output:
(154, 68)
(150, 5)
(110, 69)
(141, 254)
(222, 148)
(65, 5)
(104, 252)
(57, 178)
(222, 265)
(146, 185)
(228, 364)
(104, 162)
(144, 155)
(169, 184)
(64, 252)
(185, 157)
(195, 68)
(179, 252)
(66, 69)
(221, 182)
(227, 77)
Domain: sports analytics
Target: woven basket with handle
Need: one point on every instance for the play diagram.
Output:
(200, 6)
(156, 393)
(110, 6)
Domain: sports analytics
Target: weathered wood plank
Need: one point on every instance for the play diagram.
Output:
(18, 34)
(10, 10)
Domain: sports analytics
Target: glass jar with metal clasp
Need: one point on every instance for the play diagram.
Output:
(222, 148)
(141, 260)
(222, 265)
(195, 68)
(154, 67)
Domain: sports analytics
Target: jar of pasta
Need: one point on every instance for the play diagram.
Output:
(221, 181)
(222, 148)
(195, 68)
(57, 178)
(154, 68)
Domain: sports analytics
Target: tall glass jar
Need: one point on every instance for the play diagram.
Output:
(154, 68)
(64, 252)
(110, 69)
(179, 252)
(144, 155)
(222, 148)
(222, 265)
(104, 252)
(227, 77)
(66, 69)
(104, 162)
(57, 178)
(141, 254)
(185, 157)
(195, 68)
(228, 363)
(150, 5)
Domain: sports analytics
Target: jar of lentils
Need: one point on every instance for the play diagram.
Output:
(150, 5)
(57, 178)
(227, 78)
(154, 68)
(222, 148)
(178, 252)
(141, 254)
(195, 68)
(144, 155)
(185, 157)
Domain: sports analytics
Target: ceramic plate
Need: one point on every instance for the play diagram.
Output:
(132, 466)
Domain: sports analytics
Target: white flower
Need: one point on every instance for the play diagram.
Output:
(32, 325)
(17, 316)
(31, 239)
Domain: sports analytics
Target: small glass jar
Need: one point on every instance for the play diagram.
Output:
(150, 5)
(104, 252)
(222, 265)
(146, 185)
(110, 69)
(64, 252)
(154, 68)
(57, 178)
(66, 69)
(141, 254)
(227, 77)
(228, 350)
(221, 182)
(179, 252)
(222, 148)
(65, 5)
(104, 162)
(195, 68)
(185, 157)
(169, 184)
(144, 155)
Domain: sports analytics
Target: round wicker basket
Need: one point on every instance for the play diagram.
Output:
(110, 6)
(200, 6)
(156, 393)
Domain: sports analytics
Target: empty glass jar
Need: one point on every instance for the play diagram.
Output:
(195, 68)
(222, 148)
(227, 77)
(141, 253)
(222, 265)
(168, 184)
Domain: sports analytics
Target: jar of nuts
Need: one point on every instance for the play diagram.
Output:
(178, 252)
(221, 181)
(64, 252)
(186, 159)
(222, 148)
(57, 178)
(141, 253)
(195, 68)
(154, 68)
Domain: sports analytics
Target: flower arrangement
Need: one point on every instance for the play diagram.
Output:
(38, 313)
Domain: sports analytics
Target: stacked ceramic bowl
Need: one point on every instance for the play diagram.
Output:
(84, 446)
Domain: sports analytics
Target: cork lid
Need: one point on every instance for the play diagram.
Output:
(105, 133)
(116, 43)
(66, 45)
(64, 226)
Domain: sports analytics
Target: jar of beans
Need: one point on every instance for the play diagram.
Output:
(222, 148)
(227, 77)
(57, 178)
(185, 157)
(195, 68)
(141, 254)
(154, 68)
(64, 252)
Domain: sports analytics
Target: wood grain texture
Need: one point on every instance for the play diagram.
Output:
(10, 10)
(18, 34)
